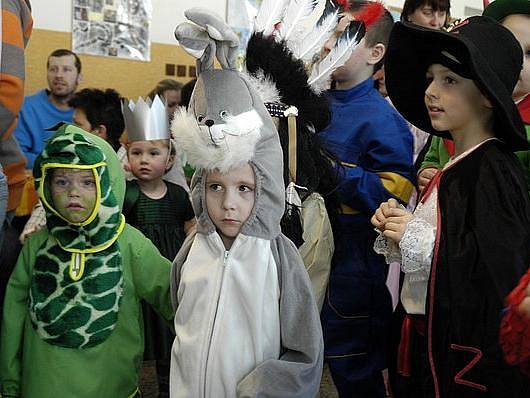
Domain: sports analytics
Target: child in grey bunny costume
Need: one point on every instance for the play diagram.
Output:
(246, 321)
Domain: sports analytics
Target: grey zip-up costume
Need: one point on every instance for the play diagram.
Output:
(246, 321)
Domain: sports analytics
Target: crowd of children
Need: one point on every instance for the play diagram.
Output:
(274, 261)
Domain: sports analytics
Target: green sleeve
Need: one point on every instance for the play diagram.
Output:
(151, 275)
(432, 157)
(14, 318)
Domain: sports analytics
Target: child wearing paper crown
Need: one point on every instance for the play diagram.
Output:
(468, 241)
(160, 209)
(246, 321)
(72, 322)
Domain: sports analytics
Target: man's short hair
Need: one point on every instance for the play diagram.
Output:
(411, 5)
(102, 107)
(63, 52)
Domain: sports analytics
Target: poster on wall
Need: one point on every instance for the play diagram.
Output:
(112, 28)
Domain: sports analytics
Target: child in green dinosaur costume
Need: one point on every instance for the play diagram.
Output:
(72, 319)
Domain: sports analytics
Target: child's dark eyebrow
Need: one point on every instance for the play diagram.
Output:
(250, 184)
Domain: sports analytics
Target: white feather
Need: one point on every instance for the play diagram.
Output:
(294, 22)
(316, 39)
(269, 14)
(338, 55)
(263, 85)
(234, 151)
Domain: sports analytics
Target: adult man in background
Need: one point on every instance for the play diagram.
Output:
(49, 106)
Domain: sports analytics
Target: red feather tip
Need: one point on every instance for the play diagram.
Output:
(371, 13)
(344, 3)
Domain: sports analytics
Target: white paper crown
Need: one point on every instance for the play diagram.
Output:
(146, 120)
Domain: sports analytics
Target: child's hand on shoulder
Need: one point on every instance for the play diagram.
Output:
(425, 176)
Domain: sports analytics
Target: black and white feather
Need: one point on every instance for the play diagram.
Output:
(339, 54)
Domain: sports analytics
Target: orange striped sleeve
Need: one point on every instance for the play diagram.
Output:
(12, 93)
(14, 34)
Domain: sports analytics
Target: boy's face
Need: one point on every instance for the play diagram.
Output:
(519, 25)
(230, 200)
(357, 68)
(74, 193)
(81, 121)
(455, 103)
(149, 159)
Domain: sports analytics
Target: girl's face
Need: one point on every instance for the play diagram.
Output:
(74, 193)
(454, 103)
(172, 98)
(426, 16)
(149, 160)
(519, 25)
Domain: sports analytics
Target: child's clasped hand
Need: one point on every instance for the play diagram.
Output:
(391, 220)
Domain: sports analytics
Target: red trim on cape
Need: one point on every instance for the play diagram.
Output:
(524, 109)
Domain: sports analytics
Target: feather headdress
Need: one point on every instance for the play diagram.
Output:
(305, 26)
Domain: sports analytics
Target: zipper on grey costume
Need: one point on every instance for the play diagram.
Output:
(210, 338)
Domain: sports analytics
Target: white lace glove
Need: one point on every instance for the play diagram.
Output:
(417, 246)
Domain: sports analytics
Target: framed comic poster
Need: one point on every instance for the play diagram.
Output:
(112, 28)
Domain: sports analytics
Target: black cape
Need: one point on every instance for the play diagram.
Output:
(482, 249)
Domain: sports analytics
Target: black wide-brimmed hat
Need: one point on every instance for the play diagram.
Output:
(500, 9)
(477, 48)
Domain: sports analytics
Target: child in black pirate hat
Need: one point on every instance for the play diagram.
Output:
(468, 241)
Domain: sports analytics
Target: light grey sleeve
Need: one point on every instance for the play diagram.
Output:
(298, 371)
(179, 260)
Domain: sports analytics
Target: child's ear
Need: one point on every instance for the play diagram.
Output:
(101, 131)
(170, 162)
(377, 53)
(486, 102)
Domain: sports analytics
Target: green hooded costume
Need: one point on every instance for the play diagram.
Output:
(72, 320)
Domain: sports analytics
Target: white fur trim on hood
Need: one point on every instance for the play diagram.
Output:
(223, 146)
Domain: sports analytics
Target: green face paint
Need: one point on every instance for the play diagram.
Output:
(74, 193)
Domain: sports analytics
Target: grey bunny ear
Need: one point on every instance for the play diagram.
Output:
(196, 42)
(226, 40)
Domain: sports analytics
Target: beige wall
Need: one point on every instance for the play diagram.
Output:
(130, 78)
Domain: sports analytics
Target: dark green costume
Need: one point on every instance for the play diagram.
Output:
(162, 221)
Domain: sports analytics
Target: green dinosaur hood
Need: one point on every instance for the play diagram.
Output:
(77, 281)
(94, 144)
